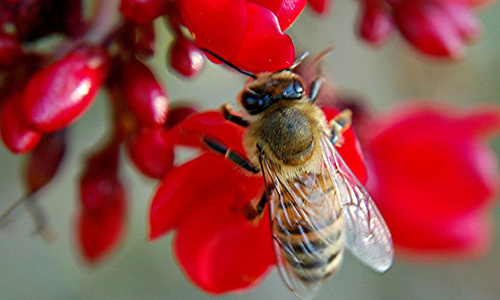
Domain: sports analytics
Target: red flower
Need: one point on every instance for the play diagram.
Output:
(247, 33)
(207, 200)
(434, 179)
(436, 28)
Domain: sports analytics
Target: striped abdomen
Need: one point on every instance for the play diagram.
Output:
(308, 228)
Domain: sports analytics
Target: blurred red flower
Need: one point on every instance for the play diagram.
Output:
(206, 201)
(440, 28)
(247, 33)
(434, 179)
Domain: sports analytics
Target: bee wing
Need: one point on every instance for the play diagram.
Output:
(367, 235)
(307, 229)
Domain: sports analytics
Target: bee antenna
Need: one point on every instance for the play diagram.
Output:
(298, 61)
(229, 64)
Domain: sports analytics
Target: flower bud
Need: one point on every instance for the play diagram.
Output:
(185, 57)
(58, 94)
(376, 25)
(10, 49)
(151, 152)
(101, 221)
(144, 94)
(141, 11)
(16, 134)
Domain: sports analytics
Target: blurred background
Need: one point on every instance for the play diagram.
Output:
(32, 269)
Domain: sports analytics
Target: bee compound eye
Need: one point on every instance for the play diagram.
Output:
(294, 90)
(252, 103)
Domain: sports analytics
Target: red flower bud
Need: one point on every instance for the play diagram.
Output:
(185, 57)
(45, 160)
(141, 11)
(10, 49)
(434, 179)
(16, 134)
(376, 24)
(429, 28)
(99, 233)
(144, 94)
(58, 94)
(101, 221)
(151, 152)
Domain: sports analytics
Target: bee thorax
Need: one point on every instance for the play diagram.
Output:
(288, 134)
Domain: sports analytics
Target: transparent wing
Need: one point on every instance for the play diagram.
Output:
(367, 235)
(307, 228)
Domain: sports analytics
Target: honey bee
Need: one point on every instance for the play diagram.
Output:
(317, 206)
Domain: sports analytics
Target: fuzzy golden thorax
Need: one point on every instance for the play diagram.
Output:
(288, 133)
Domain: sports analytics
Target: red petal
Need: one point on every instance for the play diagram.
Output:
(435, 238)
(431, 170)
(212, 123)
(178, 191)
(466, 20)
(265, 47)
(221, 251)
(144, 94)
(482, 121)
(15, 132)
(285, 10)
(179, 113)
(218, 25)
(58, 94)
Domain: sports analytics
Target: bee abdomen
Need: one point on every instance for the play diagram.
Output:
(313, 253)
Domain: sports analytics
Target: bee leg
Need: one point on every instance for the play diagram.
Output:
(315, 88)
(254, 213)
(232, 155)
(339, 124)
(230, 115)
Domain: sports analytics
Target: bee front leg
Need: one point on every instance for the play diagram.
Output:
(254, 212)
(230, 115)
(315, 88)
(230, 154)
(339, 124)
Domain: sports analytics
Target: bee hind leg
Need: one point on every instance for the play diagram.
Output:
(339, 124)
(230, 115)
(229, 153)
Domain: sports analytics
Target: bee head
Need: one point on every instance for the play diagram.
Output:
(270, 88)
